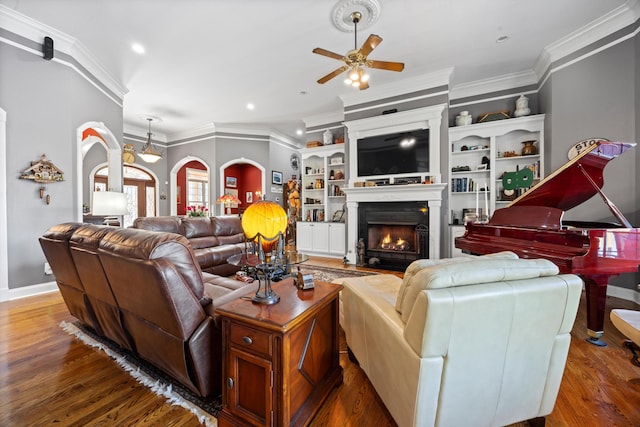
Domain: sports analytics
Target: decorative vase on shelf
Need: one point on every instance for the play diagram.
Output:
(522, 107)
(463, 119)
(327, 137)
(529, 149)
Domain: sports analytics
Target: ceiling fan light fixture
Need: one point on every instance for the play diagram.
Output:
(354, 74)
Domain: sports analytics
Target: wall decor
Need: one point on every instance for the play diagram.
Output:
(248, 197)
(497, 115)
(43, 171)
(276, 177)
(231, 181)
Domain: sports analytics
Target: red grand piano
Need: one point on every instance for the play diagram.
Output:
(532, 227)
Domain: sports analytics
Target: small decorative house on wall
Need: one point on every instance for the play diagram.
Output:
(43, 171)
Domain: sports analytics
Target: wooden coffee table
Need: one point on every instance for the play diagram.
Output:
(282, 360)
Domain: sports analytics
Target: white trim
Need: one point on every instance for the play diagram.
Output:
(114, 160)
(494, 84)
(493, 98)
(623, 293)
(4, 242)
(322, 119)
(392, 90)
(173, 183)
(32, 290)
(403, 100)
(29, 28)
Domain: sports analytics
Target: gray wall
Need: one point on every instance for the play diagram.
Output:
(45, 103)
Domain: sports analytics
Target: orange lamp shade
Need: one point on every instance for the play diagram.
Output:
(264, 218)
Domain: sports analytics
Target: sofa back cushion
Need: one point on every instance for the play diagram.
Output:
(473, 271)
(149, 245)
(198, 226)
(417, 266)
(169, 224)
(228, 229)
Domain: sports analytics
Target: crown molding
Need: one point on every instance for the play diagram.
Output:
(596, 30)
(35, 31)
(141, 132)
(494, 84)
(324, 119)
(412, 84)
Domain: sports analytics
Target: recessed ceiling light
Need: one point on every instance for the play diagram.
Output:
(250, 106)
(137, 48)
(502, 39)
(299, 132)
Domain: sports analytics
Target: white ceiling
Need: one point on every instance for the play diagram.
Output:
(206, 59)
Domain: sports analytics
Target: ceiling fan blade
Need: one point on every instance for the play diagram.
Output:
(385, 65)
(364, 85)
(369, 44)
(324, 52)
(332, 74)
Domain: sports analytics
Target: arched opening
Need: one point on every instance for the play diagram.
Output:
(139, 185)
(88, 134)
(179, 190)
(193, 189)
(244, 179)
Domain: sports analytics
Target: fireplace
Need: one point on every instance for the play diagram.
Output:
(394, 234)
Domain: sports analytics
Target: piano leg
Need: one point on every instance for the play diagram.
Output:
(596, 293)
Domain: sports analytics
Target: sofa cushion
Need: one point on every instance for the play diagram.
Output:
(150, 245)
(169, 224)
(416, 266)
(473, 271)
(197, 227)
(204, 242)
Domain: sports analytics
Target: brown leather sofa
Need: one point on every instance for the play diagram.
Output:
(145, 291)
(213, 239)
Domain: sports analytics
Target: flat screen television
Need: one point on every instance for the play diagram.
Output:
(399, 153)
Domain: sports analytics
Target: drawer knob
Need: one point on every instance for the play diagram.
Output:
(230, 382)
(247, 340)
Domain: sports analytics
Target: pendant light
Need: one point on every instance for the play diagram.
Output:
(148, 154)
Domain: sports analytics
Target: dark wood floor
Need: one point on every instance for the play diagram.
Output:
(49, 378)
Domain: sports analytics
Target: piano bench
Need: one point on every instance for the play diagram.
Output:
(628, 323)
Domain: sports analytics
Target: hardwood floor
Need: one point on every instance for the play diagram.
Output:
(47, 377)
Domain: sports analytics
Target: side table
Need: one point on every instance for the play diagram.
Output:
(280, 361)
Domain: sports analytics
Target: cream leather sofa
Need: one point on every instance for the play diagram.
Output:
(480, 341)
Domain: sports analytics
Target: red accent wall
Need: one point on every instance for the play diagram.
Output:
(182, 183)
(248, 179)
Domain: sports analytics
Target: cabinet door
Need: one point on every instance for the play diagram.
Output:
(337, 243)
(304, 236)
(320, 237)
(250, 387)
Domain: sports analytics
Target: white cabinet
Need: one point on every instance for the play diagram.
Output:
(321, 238)
(323, 177)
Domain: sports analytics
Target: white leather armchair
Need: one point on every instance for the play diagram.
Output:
(479, 341)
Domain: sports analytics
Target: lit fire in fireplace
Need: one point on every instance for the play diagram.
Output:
(398, 245)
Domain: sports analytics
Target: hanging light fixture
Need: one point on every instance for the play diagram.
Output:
(148, 154)
(357, 75)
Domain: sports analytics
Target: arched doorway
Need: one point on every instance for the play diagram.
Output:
(179, 190)
(140, 186)
(243, 178)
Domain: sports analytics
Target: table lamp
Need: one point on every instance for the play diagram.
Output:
(265, 223)
(227, 200)
(110, 204)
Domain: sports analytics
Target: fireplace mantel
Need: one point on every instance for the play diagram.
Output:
(430, 193)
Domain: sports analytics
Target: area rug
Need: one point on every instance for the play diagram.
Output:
(328, 274)
(149, 376)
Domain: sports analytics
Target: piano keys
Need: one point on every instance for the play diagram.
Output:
(532, 226)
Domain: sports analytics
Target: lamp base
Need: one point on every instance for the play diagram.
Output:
(267, 299)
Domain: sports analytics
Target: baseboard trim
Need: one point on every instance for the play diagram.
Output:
(623, 293)
(29, 291)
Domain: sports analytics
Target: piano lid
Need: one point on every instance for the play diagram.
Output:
(568, 186)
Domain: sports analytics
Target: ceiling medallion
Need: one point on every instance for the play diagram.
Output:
(342, 14)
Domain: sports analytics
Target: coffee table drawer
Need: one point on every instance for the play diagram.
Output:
(250, 339)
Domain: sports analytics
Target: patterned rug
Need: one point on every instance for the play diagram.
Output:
(327, 274)
(149, 376)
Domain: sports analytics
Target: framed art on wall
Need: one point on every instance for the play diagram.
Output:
(248, 197)
(232, 181)
(276, 177)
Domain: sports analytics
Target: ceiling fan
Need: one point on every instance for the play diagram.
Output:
(356, 60)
